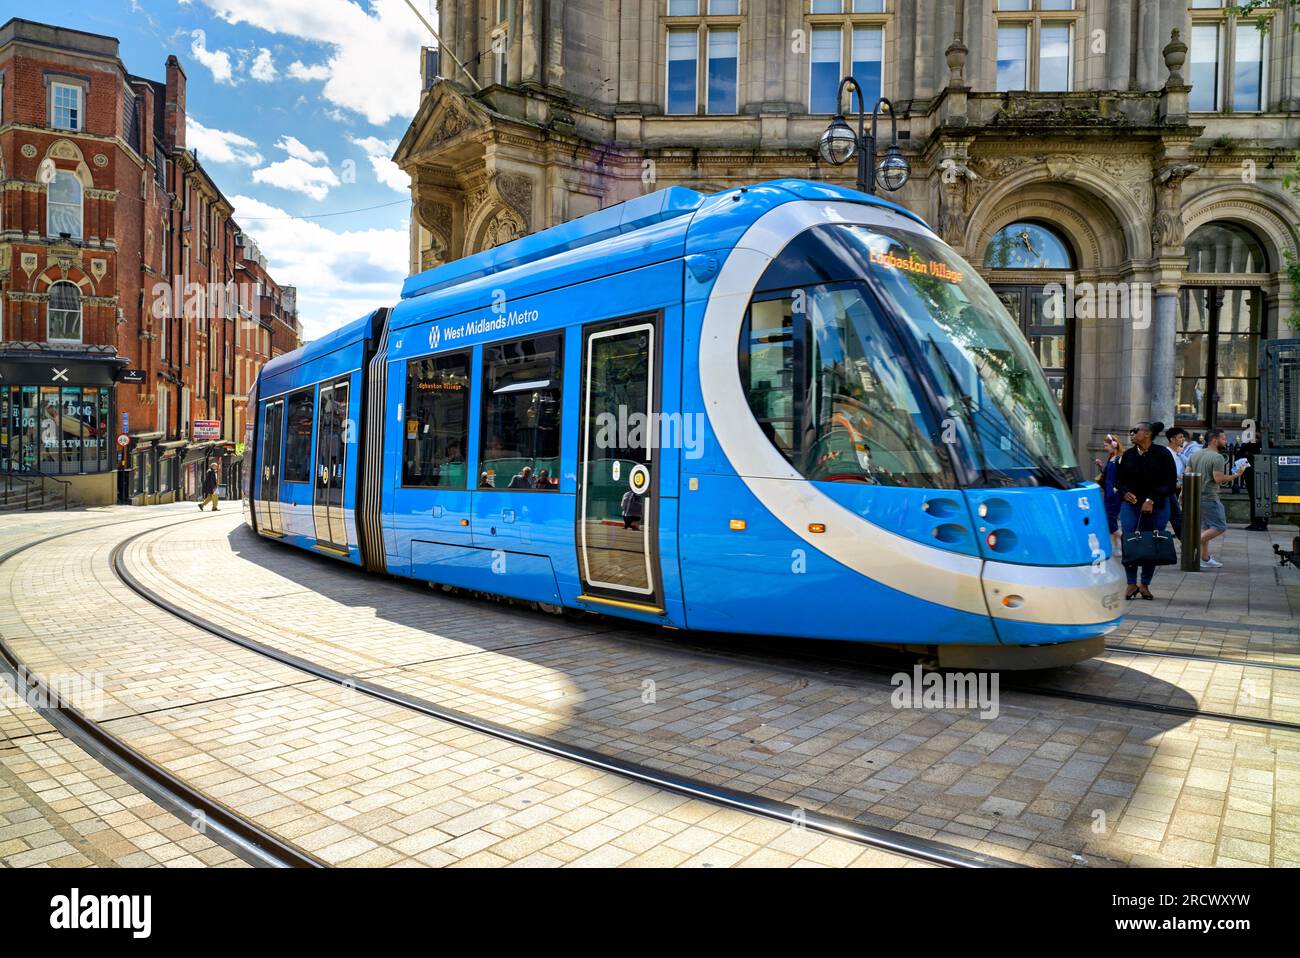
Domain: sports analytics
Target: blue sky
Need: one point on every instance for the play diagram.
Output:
(294, 108)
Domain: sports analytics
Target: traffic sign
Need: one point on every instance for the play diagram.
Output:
(123, 440)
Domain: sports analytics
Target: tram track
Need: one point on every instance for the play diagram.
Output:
(237, 833)
(923, 849)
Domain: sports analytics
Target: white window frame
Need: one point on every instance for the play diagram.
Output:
(81, 206)
(81, 315)
(80, 93)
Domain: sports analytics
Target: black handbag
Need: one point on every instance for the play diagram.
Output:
(1150, 547)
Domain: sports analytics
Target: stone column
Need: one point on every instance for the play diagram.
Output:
(530, 59)
(1163, 354)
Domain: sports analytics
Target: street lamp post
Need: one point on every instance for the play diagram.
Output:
(839, 144)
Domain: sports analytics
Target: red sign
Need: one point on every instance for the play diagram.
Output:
(123, 440)
(206, 429)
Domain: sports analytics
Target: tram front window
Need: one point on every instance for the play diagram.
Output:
(830, 386)
(982, 369)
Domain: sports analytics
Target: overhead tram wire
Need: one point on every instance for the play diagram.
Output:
(317, 216)
(442, 46)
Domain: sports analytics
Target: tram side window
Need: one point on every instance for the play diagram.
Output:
(437, 421)
(830, 388)
(521, 414)
(297, 437)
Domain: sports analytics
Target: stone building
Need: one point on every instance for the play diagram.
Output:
(1112, 167)
(108, 359)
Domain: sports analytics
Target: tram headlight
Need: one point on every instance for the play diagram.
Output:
(894, 170)
(838, 144)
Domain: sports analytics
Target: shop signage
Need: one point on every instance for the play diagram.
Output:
(131, 376)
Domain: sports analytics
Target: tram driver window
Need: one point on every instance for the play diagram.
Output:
(297, 437)
(830, 388)
(520, 444)
(437, 422)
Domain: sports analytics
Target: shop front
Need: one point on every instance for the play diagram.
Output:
(56, 421)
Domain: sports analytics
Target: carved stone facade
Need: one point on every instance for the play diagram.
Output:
(567, 114)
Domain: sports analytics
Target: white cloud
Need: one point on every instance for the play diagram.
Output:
(219, 146)
(263, 68)
(374, 61)
(298, 175)
(300, 71)
(379, 153)
(340, 275)
(218, 61)
(297, 148)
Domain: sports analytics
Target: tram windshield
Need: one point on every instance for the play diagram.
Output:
(982, 370)
(890, 386)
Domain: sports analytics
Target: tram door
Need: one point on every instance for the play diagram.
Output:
(331, 464)
(272, 434)
(617, 509)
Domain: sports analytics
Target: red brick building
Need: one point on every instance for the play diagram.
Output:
(126, 307)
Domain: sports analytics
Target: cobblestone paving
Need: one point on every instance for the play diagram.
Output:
(59, 807)
(352, 779)
(1045, 781)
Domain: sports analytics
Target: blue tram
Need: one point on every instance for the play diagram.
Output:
(786, 409)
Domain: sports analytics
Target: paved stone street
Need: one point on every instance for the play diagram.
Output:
(359, 781)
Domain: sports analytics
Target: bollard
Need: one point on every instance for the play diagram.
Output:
(1191, 557)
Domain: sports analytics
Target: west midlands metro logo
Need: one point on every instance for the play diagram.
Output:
(433, 337)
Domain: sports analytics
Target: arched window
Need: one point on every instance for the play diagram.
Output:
(64, 313)
(1224, 248)
(1219, 327)
(63, 206)
(1028, 245)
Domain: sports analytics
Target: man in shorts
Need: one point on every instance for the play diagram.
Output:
(1209, 464)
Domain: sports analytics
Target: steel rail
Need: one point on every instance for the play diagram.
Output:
(929, 850)
(226, 827)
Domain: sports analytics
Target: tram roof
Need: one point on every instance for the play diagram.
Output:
(659, 226)
(688, 206)
(367, 327)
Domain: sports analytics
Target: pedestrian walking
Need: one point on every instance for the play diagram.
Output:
(1108, 478)
(1210, 464)
(210, 483)
(1183, 448)
(1145, 480)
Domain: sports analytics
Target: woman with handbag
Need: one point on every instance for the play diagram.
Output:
(1146, 479)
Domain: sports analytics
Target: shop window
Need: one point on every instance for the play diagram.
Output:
(56, 429)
